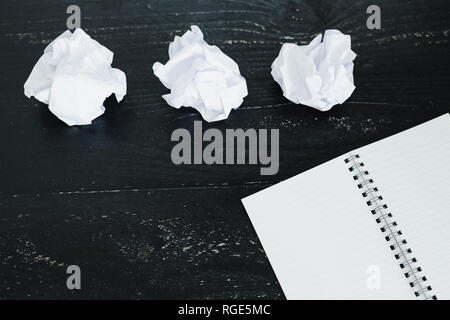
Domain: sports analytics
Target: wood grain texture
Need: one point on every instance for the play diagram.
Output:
(108, 198)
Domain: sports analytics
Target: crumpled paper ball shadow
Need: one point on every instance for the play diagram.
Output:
(320, 74)
(74, 77)
(201, 76)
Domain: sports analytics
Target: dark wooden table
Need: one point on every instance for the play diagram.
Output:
(107, 197)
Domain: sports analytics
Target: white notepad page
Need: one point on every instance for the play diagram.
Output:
(322, 240)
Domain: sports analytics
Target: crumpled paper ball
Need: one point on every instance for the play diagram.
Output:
(201, 76)
(74, 77)
(320, 74)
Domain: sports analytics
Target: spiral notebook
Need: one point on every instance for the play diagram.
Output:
(371, 224)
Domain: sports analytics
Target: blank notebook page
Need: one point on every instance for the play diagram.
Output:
(324, 243)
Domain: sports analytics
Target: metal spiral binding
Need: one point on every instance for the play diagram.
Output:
(390, 228)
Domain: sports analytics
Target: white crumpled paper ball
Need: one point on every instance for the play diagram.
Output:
(320, 74)
(74, 77)
(201, 76)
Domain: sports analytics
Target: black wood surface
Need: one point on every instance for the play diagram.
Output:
(107, 197)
